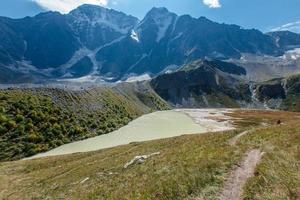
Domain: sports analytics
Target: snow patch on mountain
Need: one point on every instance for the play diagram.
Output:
(134, 36)
(83, 52)
(135, 78)
(170, 69)
(78, 55)
(163, 24)
(162, 18)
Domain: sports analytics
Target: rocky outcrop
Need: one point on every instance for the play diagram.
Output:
(203, 84)
(283, 93)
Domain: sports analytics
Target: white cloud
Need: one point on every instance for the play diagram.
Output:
(294, 27)
(65, 6)
(212, 3)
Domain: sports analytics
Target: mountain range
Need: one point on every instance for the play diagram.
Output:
(98, 44)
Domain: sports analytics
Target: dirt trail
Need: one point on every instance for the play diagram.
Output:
(235, 139)
(233, 187)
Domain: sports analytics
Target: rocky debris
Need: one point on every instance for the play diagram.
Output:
(140, 159)
(84, 180)
(101, 174)
(213, 120)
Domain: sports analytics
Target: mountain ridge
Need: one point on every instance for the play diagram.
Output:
(112, 45)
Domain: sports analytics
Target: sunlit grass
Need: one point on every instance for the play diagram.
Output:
(188, 167)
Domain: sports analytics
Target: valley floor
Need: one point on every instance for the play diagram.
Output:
(200, 166)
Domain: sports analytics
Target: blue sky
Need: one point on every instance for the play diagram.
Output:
(260, 14)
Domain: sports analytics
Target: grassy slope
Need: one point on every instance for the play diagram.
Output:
(277, 176)
(194, 165)
(33, 121)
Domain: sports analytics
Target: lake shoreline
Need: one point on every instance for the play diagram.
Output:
(153, 126)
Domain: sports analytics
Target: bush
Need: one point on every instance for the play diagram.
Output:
(59, 143)
(94, 125)
(21, 129)
(2, 110)
(3, 130)
(31, 152)
(19, 118)
(33, 115)
(78, 130)
(3, 118)
(34, 138)
(56, 129)
(33, 122)
(10, 125)
(3, 98)
(41, 116)
(29, 126)
(53, 120)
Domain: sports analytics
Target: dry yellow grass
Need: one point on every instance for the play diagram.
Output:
(194, 165)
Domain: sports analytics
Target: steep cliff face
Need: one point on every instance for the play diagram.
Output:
(283, 93)
(204, 84)
(271, 90)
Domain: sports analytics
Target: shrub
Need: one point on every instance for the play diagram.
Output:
(78, 130)
(3, 118)
(10, 125)
(21, 129)
(19, 118)
(29, 126)
(3, 98)
(31, 152)
(3, 130)
(56, 129)
(59, 143)
(53, 120)
(2, 110)
(34, 138)
(33, 115)
(94, 125)
(19, 104)
(41, 116)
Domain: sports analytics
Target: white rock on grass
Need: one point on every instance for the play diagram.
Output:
(140, 159)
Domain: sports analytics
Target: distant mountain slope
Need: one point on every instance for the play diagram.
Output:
(163, 39)
(293, 26)
(204, 83)
(286, 39)
(52, 40)
(281, 93)
(215, 83)
(112, 45)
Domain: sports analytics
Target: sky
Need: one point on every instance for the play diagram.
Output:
(264, 15)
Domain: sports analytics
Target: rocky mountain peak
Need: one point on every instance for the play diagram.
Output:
(158, 14)
(94, 15)
(156, 23)
(158, 11)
